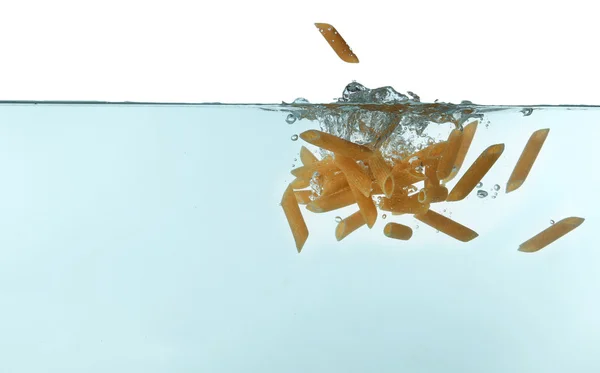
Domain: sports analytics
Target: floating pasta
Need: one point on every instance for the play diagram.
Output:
(397, 231)
(448, 156)
(307, 157)
(355, 175)
(476, 172)
(294, 217)
(366, 206)
(330, 202)
(337, 43)
(382, 173)
(550, 234)
(526, 160)
(349, 225)
(467, 138)
(303, 196)
(336, 144)
(447, 226)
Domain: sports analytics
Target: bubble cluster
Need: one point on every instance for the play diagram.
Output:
(482, 193)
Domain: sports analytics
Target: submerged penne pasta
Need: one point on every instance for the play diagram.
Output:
(526, 160)
(434, 194)
(448, 156)
(334, 183)
(476, 172)
(397, 231)
(355, 175)
(336, 144)
(337, 43)
(294, 217)
(349, 225)
(550, 234)
(306, 172)
(366, 206)
(406, 177)
(300, 183)
(447, 226)
(303, 196)
(404, 205)
(307, 157)
(467, 138)
(382, 173)
(337, 200)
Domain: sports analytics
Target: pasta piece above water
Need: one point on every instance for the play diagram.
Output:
(526, 160)
(550, 234)
(294, 217)
(337, 43)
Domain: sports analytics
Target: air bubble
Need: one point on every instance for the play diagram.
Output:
(294, 137)
(551, 222)
(300, 100)
(482, 193)
(291, 118)
(329, 29)
(496, 187)
(338, 219)
(383, 216)
(417, 226)
(527, 111)
(479, 184)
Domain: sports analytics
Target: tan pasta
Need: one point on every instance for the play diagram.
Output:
(447, 226)
(526, 160)
(355, 175)
(366, 206)
(303, 196)
(448, 156)
(337, 43)
(337, 200)
(397, 231)
(294, 217)
(349, 225)
(382, 173)
(307, 157)
(336, 144)
(467, 138)
(550, 234)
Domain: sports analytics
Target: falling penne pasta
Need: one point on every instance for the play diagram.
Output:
(300, 183)
(337, 200)
(449, 154)
(397, 231)
(366, 206)
(406, 177)
(337, 43)
(294, 217)
(382, 173)
(355, 175)
(336, 144)
(307, 172)
(333, 183)
(526, 160)
(447, 226)
(550, 234)
(307, 157)
(476, 172)
(304, 196)
(467, 138)
(404, 205)
(434, 193)
(349, 225)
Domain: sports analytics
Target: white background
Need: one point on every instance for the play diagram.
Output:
(489, 52)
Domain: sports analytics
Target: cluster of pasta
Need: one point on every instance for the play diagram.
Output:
(355, 174)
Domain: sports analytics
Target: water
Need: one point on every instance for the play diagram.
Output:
(151, 236)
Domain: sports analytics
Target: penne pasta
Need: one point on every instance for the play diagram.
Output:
(448, 156)
(550, 234)
(334, 183)
(355, 175)
(294, 218)
(337, 200)
(366, 206)
(382, 173)
(307, 172)
(406, 177)
(476, 172)
(349, 225)
(300, 183)
(376, 189)
(337, 43)
(303, 196)
(447, 226)
(467, 138)
(404, 205)
(526, 160)
(397, 231)
(336, 144)
(434, 194)
(307, 157)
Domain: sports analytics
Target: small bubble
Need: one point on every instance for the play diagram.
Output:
(293, 165)
(294, 137)
(291, 118)
(527, 111)
(437, 231)
(494, 196)
(329, 29)
(482, 193)
(335, 32)
(383, 216)
(551, 222)
(300, 100)
(479, 184)
(333, 41)
(417, 226)
(496, 187)
(295, 159)
(338, 219)
(321, 29)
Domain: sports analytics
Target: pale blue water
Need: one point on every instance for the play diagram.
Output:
(149, 238)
